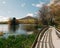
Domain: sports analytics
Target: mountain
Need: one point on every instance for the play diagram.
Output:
(28, 20)
(28, 17)
(25, 20)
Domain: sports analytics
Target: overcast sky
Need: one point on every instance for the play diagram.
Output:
(20, 8)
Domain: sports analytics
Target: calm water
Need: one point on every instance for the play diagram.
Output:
(5, 29)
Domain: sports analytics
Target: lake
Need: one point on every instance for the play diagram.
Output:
(22, 29)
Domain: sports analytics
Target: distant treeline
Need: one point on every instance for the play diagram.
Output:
(3, 22)
(22, 22)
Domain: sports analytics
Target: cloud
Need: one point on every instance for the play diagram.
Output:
(33, 4)
(23, 4)
(36, 12)
(4, 18)
(9, 12)
(4, 2)
(29, 14)
(51, 2)
(39, 5)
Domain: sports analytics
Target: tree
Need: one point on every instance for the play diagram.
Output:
(55, 12)
(44, 14)
(13, 24)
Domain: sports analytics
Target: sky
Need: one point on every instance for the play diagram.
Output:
(20, 8)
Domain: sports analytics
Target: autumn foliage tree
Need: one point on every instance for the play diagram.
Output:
(44, 15)
(55, 11)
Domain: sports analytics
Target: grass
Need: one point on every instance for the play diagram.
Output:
(20, 41)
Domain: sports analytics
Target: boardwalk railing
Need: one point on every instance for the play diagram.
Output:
(36, 39)
(57, 29)
(58, 33)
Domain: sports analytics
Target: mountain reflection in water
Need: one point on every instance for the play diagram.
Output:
(22, 29)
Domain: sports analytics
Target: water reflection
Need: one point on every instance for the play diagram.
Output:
(29, 27)
(22, 29)
(13, 25)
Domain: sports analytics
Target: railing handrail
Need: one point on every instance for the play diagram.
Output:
(35, 41)
(57, 29)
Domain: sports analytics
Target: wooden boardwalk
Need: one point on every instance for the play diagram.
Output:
(49, 39)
